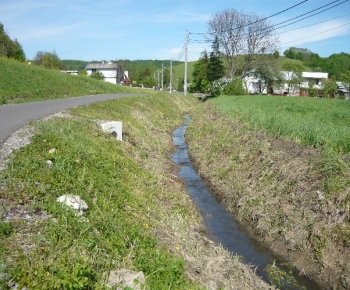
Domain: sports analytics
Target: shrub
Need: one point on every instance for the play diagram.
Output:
(235, 88)
(97, 75)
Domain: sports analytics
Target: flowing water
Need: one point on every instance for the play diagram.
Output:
(220, 223)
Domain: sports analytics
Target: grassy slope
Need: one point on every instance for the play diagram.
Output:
(295, 198)
(21, 82)
(179, 70)
(139, 217)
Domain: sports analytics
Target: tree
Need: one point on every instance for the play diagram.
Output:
(293, 76)
(48, 60)
(242, 34)
(329, 89)
(199, 72)
(215, 68)
(345, 78)
(10, 48)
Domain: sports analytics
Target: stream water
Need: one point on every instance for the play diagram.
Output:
(220, 223)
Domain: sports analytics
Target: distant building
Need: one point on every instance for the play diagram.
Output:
(256, 86)
(71, 72)
(112, 72)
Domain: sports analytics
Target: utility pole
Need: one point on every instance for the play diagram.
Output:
(162, 77)
(171, 74)
(158, 81)
(186, 50)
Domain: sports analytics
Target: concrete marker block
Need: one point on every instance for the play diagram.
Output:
(115, 128)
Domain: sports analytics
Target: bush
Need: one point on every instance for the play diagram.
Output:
(97, 75)
(235, 88)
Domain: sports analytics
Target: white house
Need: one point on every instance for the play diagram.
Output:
(255, 86)
(112, 72)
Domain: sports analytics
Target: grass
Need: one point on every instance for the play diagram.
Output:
(22, 82)
(69, 252)
(281, 165)
(318, 123)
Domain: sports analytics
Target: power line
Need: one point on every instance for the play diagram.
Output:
(316, 34)
(311, 24)
(325, 31)
(263, 18)
(286, 21)
(309, 15)
(181, 53)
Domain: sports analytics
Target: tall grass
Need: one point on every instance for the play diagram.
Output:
(319, 123)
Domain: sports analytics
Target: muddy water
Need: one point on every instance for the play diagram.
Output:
(221, 224)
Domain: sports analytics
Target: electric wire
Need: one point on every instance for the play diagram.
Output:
(297, 28)
(265, 17)
(286, 21)
(279, 33)
(316, 34)
(181, 53)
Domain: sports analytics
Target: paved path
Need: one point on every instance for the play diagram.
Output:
(13, 117)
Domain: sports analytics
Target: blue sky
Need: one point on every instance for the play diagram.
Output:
(154, 29)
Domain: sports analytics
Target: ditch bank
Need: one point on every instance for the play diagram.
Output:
(279, 190)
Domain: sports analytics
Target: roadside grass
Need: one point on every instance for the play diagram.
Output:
(54, 248)
(23, 82)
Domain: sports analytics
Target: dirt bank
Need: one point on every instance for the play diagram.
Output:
(285, 193)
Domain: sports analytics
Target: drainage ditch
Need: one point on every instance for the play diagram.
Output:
(221, 225)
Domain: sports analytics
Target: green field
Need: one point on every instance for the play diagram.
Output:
(319, 123)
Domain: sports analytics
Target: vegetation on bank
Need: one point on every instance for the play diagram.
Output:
(281, 165)
(23, 82)
(56, 249)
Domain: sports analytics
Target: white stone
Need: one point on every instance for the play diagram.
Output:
(115, 128)
(126, 278)
(74, 202)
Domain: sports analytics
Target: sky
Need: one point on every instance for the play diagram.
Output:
(156, 29)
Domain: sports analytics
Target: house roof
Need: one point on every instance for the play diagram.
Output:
(98, 65)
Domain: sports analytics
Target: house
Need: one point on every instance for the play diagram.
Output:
(112, 72)
(290, 86)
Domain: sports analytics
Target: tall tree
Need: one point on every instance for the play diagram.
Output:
(199, 72)
(215, 68)
(239, 33)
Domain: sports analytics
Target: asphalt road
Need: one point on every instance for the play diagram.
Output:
(13, 117)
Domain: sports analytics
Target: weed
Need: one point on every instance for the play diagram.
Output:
(283, 279)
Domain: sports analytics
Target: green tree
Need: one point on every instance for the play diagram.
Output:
(293, 76)
(329, 89)
(345, 78)
(199, 72)
(48, 60)
(10, 48)
(215, 68)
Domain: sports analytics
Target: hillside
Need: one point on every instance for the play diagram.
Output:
(22, 82)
